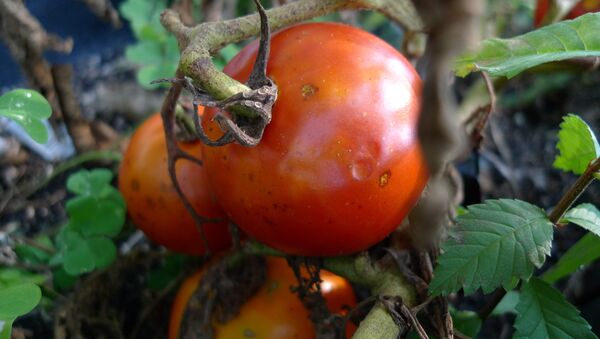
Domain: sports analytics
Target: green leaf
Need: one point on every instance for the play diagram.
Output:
(28, 108)
(172, 266)
(543, 312)
(146, 52)
(585, 251)
(5, 328)
(91, 216)
(586, 216)
(10, 276)
(467, 322)
(508, 304)
(498, 242)
(83, 255)
(577, 145)
(92, 182)
(62, 280)
(142, 12)
(34, 255)
(149, 73)
(559, 41)
(18, 300)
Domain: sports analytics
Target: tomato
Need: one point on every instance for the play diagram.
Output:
(340, 165)
(274, 311)
(152, 202)
(582, 7)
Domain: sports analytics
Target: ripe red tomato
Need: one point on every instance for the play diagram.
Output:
(583, 7)
(152, 202)
(274, 312)
(340, 165)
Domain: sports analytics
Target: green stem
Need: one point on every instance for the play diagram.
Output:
(359, 269)
(199, 43)
(575, 191)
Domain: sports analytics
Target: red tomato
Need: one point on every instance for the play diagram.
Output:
(583, 7)
(340, 165)
(274, 312)
(152, 202)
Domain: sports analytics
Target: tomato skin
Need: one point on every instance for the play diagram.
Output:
(582, 7)
(339, 166)
(152, 202)
(274, 312)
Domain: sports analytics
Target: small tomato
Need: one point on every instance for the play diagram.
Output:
(274, 312)
(152, 202)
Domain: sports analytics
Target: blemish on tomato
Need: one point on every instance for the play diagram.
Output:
(150, 202)
(385, 178)
(135, 185)
(308, 90)
(251, 177)
(272, 286)
(361, 169)
(248, 333)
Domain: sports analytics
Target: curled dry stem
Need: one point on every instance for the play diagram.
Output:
(250, 104)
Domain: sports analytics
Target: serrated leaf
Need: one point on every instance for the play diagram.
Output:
(585, 251)
(508, 303)
(559, 41)
(585, 215)
(467, 322)
(499, 242)
(543, 312)
(91, 216)
(28, 108)
(577, 145)
(92, 182)
(18, 300)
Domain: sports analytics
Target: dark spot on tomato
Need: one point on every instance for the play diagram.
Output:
(135, 185)
(251, 176)
(150, 202)
(164, 187)
(269, 221)
(384, 178)
(308, 90)
(161, 202)
(224, 158)
(140, 216)
(269, 193)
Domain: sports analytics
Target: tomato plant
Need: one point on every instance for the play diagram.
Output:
(582, 7)
(152, 202)
(274, 311)
(339, 166)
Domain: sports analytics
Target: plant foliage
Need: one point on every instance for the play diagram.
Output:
(560, 41)
(496, 243)
(543, 312)
(27, 108)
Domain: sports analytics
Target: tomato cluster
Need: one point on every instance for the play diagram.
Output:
(338, 169)
(274, 311)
